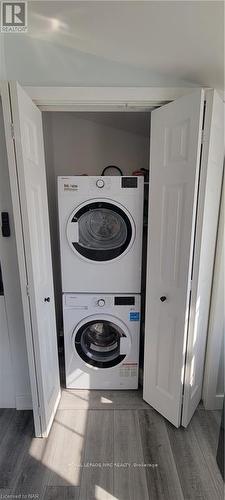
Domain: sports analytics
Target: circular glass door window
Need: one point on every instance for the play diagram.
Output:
(98, 343)
(100, 231)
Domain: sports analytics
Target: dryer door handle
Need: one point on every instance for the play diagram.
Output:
(73, 232)
(124, 345)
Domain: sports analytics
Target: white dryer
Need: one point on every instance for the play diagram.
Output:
(101, 221)
(101, 337)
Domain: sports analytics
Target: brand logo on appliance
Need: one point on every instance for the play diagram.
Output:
(70, 187)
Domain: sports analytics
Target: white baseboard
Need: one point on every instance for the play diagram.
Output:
(24, 402)
(219, 401)
(214, 403)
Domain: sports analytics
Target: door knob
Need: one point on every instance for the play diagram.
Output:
(47, 299)
(163, 298)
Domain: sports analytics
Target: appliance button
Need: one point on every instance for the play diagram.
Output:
(100, 183)
(101, 302)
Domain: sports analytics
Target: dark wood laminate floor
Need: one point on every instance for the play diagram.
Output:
(109, 445)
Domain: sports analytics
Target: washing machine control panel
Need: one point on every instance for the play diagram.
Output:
(100, 183)
(105, 302)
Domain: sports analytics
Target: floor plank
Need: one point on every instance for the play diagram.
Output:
(77, 460)
(68, 435)
(33, 476)
(6, 417)
(217, 415)
(97, 478)
(101, 400)
(61, 493)
(5, 494)
(129, 478)
(54, 461)
(191, 465)
(206, 430)
(163, 481)
(14, 445)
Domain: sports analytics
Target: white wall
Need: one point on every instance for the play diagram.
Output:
(7, 393)
(10, 273)
(220, 378)
(81, 146)
(213, 387)
(75, 146)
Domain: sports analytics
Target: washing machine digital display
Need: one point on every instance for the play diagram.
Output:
(100, 231)
(98, 343)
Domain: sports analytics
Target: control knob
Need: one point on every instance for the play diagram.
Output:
(100, 183)
(101, 302)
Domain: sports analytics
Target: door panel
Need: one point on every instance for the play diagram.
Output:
(172, 211)
(174, 173)
(100, 231)
(101, 343)
(206, 236)
(37, 272)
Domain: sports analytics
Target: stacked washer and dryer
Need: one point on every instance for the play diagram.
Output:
(101, 220)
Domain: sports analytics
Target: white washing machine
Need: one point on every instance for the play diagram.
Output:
(101, 337)
(101, 222)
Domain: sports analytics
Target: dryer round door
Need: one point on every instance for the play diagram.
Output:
(100, 230)
(102, 342)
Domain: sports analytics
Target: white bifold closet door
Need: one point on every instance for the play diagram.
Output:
(180, 250)
(29, 195)
(185, 183)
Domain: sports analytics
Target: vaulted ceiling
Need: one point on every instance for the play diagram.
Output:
(120, 42)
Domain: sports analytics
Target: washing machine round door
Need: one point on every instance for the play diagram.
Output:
(101, 343)
(100, 231)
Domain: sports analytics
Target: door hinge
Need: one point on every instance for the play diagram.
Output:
(28, 290)
(39, 411)
(12, 131)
